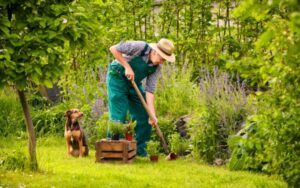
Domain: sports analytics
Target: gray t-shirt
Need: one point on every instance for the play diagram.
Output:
(131, 49)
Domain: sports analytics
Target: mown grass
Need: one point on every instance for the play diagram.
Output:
(59, 170)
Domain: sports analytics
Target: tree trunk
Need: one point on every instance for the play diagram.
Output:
(134, 25)
(177, 23)
(228, 16)
(30, 131)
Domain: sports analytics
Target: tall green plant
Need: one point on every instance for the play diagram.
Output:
(178, 144)
(11, 120)
(223, 108)
(274, 145)
(176, 92)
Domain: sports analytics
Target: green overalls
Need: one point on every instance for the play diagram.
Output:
(122, 97)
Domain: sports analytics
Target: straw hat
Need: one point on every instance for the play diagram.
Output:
(165, 49)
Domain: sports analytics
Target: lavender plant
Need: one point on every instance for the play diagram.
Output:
(222, 111)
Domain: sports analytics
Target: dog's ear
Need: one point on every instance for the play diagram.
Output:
(68, 113)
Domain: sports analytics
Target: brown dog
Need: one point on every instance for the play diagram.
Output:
(74, 134)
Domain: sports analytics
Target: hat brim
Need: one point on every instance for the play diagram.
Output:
(170, 58)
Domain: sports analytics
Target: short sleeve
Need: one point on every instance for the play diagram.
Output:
(130, 48)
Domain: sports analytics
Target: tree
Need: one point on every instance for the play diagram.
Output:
(35, 39)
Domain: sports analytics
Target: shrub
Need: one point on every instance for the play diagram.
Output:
(274, 144)
(49, 119)
(15, 160)
(268, 143)
(102, 124)
(167, 127)
(88, 123)
(176, 93)
(11, 115)
(223, 108)
(178, 144)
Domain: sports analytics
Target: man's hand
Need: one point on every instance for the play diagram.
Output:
(129, 73)
(153, 122)
(119, 57)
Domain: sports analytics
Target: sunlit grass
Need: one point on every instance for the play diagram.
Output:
(59, 170)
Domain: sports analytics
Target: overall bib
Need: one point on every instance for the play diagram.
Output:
(122, 97)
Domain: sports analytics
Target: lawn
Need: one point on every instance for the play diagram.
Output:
(59, 170)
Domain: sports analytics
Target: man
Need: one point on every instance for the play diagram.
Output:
(136, 60)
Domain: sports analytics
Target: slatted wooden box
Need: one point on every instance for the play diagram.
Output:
(119, 151)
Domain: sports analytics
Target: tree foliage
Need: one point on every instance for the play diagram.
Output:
(35, 38)
(272, 143)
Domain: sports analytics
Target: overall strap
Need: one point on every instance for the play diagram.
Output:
(144, 50)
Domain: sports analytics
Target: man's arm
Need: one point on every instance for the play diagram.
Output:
(150, 88)
(128, 48)
(118, 56)
(150, 103)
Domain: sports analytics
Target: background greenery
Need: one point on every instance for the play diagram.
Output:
(236, 73)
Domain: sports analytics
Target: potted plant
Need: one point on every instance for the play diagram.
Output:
(152, 149)
(116, 129)
(129, 130)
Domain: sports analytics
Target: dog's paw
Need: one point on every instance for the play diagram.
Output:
(75, 153)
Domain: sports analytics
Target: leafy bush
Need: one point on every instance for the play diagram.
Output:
(176, 93)
(269, 144)
(272, 138)
(175, 96)
(102, 124)
(167, 127)
(49, 120)
(88, 123)
(15, 160)
(81, 86)
(178, 144)
(223, 108)
(11, 115)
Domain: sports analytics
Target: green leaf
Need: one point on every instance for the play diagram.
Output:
(38, 53)
(35, 78)
(38, 70)
(16, 43)
(264, 39)
(5, 30)
(48, 83)
(4, 21)
(51, 34)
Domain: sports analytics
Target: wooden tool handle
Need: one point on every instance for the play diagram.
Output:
(158, 131)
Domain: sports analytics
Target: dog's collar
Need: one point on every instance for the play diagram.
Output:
(75, 126)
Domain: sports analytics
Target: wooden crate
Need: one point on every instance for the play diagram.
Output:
(122, 151)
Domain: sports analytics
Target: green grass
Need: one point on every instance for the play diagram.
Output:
(59, 170)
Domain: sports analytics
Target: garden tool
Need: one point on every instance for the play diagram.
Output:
(158, 131)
